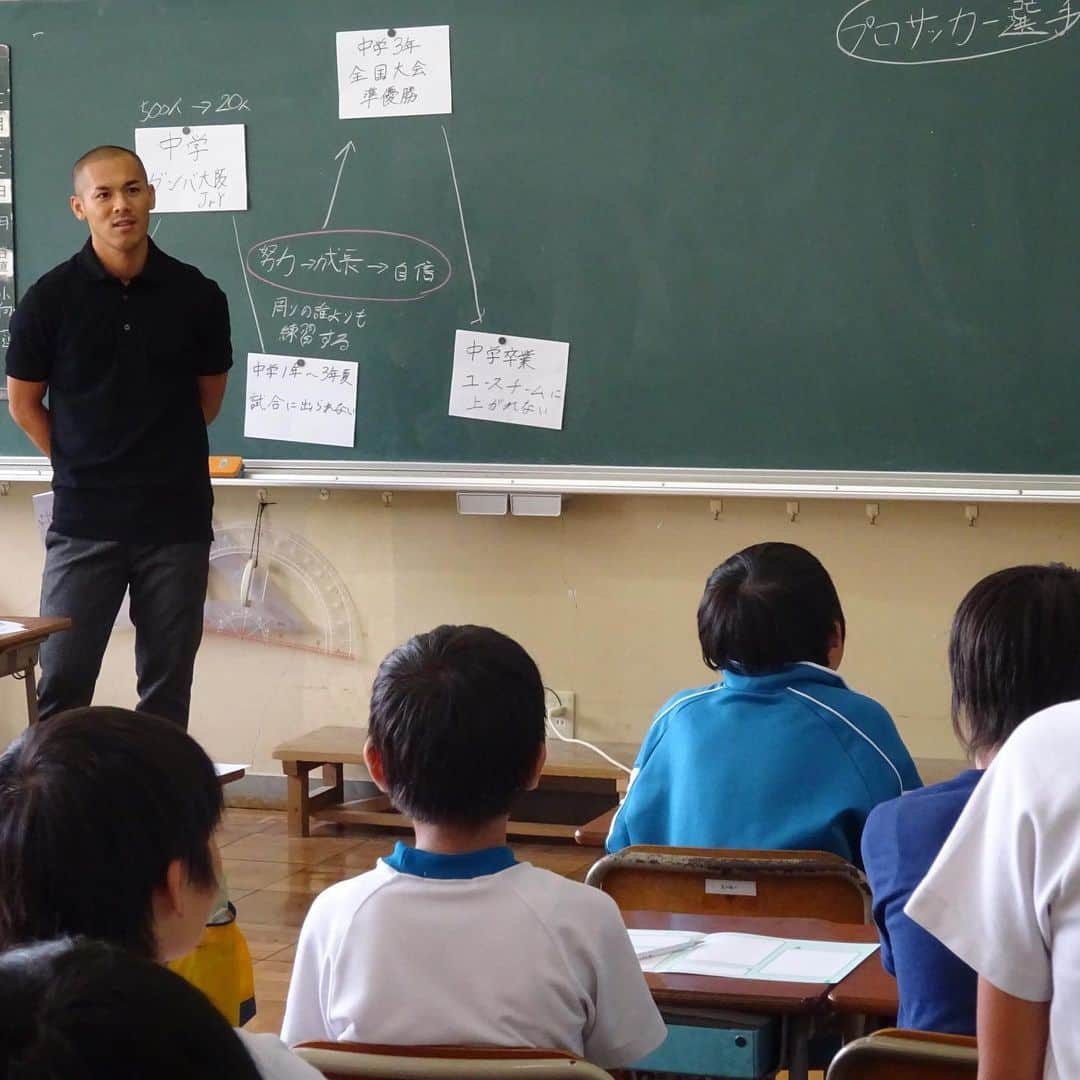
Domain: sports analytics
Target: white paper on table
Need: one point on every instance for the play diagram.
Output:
(650, 943)
(753, 956)
(803, 964)
(511, 380)
(400, 71)
(300, 400)
(9, 627)
(729, 951)
(223, 768)
(197, 167)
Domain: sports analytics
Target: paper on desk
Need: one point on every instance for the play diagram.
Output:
(648, 943)
(754, 956)
(8, 627)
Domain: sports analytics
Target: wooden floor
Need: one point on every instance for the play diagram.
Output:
(273, 879)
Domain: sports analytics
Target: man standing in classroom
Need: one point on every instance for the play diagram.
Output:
(132, 348)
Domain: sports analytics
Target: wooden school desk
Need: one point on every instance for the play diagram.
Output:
(332, 748)
(797, 1004)
(19, 652)
(869, 991)
(227, 772)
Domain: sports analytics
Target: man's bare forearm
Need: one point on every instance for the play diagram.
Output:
(37, 424)
(211, 389)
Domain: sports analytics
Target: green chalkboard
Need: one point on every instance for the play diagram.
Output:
(777, 234)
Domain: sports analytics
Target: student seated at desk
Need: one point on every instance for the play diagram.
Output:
(84, 1010)
(1004, 895)
(107, 820)
(1014, 649)
(454, 941)
(780, 754)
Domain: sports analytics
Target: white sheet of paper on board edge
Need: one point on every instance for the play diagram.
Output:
(195, 168)
(399, 71)
(298, 399)
(509, 380)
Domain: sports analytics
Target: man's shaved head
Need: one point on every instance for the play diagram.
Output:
(100, 153)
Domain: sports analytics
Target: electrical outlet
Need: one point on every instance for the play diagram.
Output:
(561, 711)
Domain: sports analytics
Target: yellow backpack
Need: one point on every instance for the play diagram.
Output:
(221, 968)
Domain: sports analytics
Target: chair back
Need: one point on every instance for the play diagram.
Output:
(344, 1060)
(730, 881)
(895, 1054)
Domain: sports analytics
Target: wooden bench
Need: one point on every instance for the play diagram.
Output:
(332, 748)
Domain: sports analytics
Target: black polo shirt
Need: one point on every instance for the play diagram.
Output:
(129, 445)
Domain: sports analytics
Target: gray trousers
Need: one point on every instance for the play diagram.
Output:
(85, 580)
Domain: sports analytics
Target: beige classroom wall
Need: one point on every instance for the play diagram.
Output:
(603, 597)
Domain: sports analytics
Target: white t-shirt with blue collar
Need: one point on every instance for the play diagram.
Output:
(789, 760)
(473, 949)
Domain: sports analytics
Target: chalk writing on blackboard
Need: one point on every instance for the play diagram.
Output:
(511, 380)
(366, 265)
(149, 111)
(396, 72)
(195, 168)
(947, 31)
(323, 325)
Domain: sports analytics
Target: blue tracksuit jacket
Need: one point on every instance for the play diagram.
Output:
(792, 760)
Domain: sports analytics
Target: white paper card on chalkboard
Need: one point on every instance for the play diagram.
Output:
(5, 191)
(195, 168)
(511, 380)
(300, 400)
(5, 123)
(397, 71)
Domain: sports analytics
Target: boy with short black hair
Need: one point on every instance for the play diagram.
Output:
(454, 941)
(780, 753)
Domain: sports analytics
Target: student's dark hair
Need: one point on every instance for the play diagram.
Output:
(94, 805)
(766, 606)
(83, 1009)
(99, 153)
(1014, 649)
(457, 715)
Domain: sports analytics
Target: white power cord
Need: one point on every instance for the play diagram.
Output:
(577, 742)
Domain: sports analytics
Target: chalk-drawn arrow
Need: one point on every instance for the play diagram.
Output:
(379, 268)
(343, 154)
(461, 213)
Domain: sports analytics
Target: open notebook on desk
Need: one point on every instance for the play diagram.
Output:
(748, 956)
